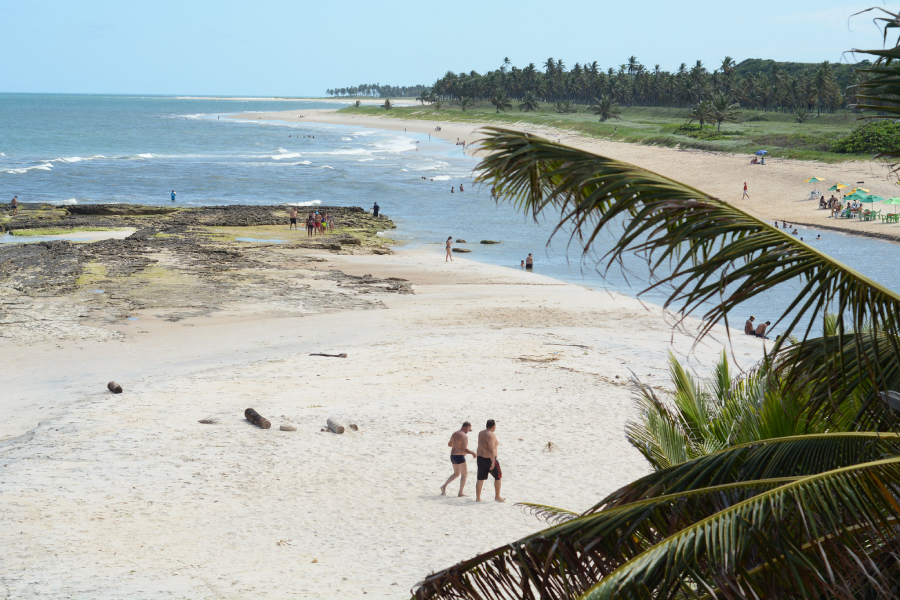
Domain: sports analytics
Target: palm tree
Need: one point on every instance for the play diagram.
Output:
(800, 516)
(802, 115)
(724, 111)
(388, 105)
(501, 101)
(605, 108)
(437, 104)
(464, 102)
(702, 112)
(357, 103)
(529, 102)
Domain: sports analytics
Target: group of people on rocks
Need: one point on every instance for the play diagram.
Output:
(316, 223)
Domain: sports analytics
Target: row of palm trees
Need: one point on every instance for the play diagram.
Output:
(632, 84)
(376, 90)
(782, 484)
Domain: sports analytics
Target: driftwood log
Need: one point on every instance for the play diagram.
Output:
(257, 419)
(335, 425)
(114, 387)
(341, 355)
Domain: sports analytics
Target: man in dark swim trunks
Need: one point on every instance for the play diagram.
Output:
(529, 262)
(459, 447)
(293, 224)
(487, 461)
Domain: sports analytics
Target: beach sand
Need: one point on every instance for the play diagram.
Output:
(777, 191)
(128, 496)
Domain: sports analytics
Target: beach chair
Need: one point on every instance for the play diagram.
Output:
(891, 218)
(846, 214)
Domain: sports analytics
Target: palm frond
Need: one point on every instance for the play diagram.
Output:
(795, 456)
(810, 538)
(709, 255)
(562, 561)
(548, 514)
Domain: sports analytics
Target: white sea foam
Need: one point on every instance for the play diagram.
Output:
(310, 203)
(286, 155)
(327, 167)
(404, 171)
(441, 178)
(1, 154)
(365, 160)
(70, 201)
(395, 145)
(45, 166)
(346, 139)
(148, 155)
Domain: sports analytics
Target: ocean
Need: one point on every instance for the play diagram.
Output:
(66, 149)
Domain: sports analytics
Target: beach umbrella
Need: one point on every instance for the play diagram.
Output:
(892, 201)
(855, 196)
(813, 180)
(838, 187)
(858, 189)
(761, 152)
(872, 198)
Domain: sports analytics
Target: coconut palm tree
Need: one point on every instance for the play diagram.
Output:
(802, 115)
(813, 515)
(465, 102)
(388, 105)
(529, 102)
(724, 111)
(356, 103)
(500, 100)
(701, 112)
(605, 108)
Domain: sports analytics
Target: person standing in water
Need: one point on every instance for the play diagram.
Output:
(529, 262)
(487, 461)
(449, 251)
(173, 195)
(459, 447)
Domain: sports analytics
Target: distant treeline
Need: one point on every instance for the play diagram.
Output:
(378, 91)
(753, 84)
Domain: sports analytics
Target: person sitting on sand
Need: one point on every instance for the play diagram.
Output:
(293, 224)
(761, 330)
(748, 326)
(459, 447)
(754, 161)
(449, 252)
(487, 461)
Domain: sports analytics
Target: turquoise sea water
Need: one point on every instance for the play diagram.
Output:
(99, 148)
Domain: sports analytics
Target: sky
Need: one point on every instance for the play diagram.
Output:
(301, 48)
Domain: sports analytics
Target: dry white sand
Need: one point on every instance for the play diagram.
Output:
(776, 190)
(128, 496)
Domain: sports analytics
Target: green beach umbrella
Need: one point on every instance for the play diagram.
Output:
(871, 199)
(814, 180)
(838, 187)
(892, 201)
(855, 196)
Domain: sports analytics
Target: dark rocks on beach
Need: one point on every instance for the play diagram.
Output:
(489, 242)
(257, 419)
(460, 241)
(461, 250)
(114, 387)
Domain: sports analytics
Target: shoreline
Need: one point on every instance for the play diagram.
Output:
(128, 496)
(776, 189)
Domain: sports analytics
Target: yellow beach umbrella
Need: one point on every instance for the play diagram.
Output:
(813, 180)
(838, 187)
(858, 189)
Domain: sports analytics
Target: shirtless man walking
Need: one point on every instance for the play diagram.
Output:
(293, 218)
(459, 447)
(487, 461)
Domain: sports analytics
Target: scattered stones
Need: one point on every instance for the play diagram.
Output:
(287, 428)
(334, 425)
(488, 242)
(461, 250)
(460, 241)
(114, 387)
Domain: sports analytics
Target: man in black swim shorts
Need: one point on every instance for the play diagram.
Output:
(529, 262)
(459, 447)
(487, 461)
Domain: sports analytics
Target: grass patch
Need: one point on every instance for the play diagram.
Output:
(91, 273)
(779, 133)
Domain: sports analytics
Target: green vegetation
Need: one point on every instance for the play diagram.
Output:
(872, 137)
(785, 484)
(779, 133)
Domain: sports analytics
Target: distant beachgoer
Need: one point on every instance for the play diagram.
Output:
(801, 239)
(794, 232)
(529, 262)
(761, 330)
(746, 195)
(461, 188)
(459, 447)
(523, 264)
(617, 129)
(449, 251)
(819, 237)
(318, 223)
(293, 224)
(784, 224)
(748, 326)
(487, 461)
(375, 209)
(173, 195)
(310, 224)
(330, 222)
(15, 205)
(452, 188)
